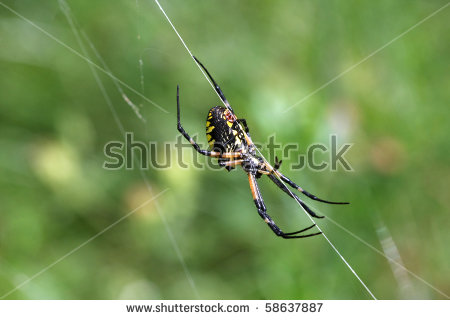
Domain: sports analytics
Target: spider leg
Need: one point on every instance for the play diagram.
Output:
(207, 153)
(277, 164)
(293, 195)
(306, 193)
(232, 163)
(263, 213)
(244, 123)
(303, 230)
(216, 86)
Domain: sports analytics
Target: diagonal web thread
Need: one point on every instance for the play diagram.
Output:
(108, 100)
(109, 74)
(326, 84)
(391, 260)
(82, 245)
(119, 124)
(388, 257)
(334, 248)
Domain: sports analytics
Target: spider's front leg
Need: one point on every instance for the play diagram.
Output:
(194, 144)
(216, 86)
(267, 219)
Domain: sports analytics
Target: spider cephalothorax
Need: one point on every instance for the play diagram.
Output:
(230, 142)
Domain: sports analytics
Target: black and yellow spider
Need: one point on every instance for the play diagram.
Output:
(230, 142)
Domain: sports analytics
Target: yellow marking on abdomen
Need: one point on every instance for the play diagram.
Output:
(209, 129)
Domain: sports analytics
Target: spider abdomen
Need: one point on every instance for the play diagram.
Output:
(222, 130)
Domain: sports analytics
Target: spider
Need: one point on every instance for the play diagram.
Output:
(229, 140)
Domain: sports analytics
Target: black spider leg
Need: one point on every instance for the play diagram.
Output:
(222, 95)
(263, 213)
(216, 86)
(194, 144)
(277, 164)
(306, 193)
(293, 195)
(244, 123)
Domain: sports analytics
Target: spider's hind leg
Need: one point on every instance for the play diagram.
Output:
(260, 206)
(293, 195)
(306, 193)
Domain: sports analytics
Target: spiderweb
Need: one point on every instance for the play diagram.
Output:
(89, 54)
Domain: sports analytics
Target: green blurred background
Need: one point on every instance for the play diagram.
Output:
(203, 238)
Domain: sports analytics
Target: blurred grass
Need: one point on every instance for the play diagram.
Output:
(54, 123)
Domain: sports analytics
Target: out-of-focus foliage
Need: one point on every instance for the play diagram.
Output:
(203, 238)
